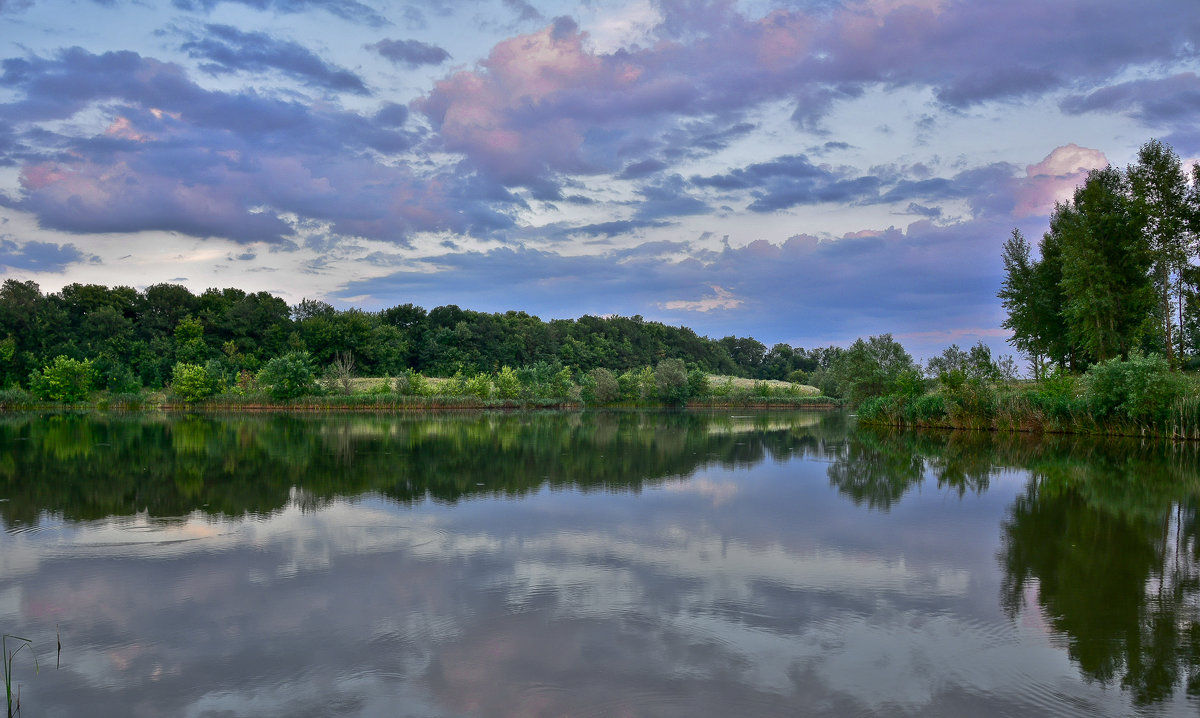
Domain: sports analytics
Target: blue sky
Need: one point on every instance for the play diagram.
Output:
(805, 172)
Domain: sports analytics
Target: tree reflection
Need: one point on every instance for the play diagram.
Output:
(1104, 541)
(92, 466)
(876, 468)
(1108, 536)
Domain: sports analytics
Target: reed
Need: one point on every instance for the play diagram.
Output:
(14, 702)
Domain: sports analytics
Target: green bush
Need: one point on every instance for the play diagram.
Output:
(194, 382)
(508, 384)
(412, 383)
(479, 385)
(671, 381)
(63, 380)
(697, 382)
(630, 385)
(601, 387)
(1140, 389)
(289, 376)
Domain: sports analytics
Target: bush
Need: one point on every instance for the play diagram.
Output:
(63, 380)
(412, 383)
(479, 385)
(601, 387)
(671, 381)
(697, 383)
(508, 384)
(1140, 389)
(194, 382)
(289, 376)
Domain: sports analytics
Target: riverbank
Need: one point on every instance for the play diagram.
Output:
(17, 400)
(1044, 408)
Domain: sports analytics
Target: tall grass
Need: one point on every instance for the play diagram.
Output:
(1136, 397)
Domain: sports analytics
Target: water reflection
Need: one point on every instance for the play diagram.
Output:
(593, 565)
(88, 467)
(1102, 542)
(1111, 546)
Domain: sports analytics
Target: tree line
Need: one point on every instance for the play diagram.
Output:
(1114, 273)
(135, 338)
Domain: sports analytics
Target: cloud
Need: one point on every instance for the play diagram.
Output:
(345, 9)
(721, 298)
(410, 53)
(40, 256)
(551, 102)
(1163, 101)
(227, 50)
(209, 163)
(1055, 178)
(524, 11)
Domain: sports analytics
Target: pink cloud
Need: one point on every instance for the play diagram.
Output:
(1054, 179)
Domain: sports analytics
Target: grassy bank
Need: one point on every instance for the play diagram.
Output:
(1135, 397)
(416, 393)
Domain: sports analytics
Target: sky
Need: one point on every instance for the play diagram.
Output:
(806, 172)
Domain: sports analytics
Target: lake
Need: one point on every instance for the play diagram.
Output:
(593, 564)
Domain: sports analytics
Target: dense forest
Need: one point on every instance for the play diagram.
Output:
(135, 338)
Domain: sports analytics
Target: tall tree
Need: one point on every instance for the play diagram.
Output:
(1019, 297)
(1160, 194)
(1105, 268)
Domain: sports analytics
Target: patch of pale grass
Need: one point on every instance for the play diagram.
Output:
(743, 383)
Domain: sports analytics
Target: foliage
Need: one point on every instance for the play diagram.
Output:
(194, 382)
(64, 380)
(601, 387)
(289, 376)
(671, 382)
(1114, 257)
(1140, 389)
(508, 384)
(870, 367)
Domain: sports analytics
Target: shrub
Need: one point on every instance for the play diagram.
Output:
(289, 376)
(601, 386)
(671, 381)
(479, 385)
(630, 385)
(561, 384)
(508, 384)
(194, 382)
(63, 380)
(697, 382)
(412, 383)
(1140, 389)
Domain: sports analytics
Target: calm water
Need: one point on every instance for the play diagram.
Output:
(782, 564)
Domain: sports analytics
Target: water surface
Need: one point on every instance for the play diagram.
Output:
(609, 564)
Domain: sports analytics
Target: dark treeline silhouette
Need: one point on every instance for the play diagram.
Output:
(135, 338)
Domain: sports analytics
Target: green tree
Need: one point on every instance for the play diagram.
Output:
(1159, 190)
(671, 381)
(289, 376)
(194, 382)
(1105, 267)
(1022, 301)
(63, 380)
(871, 367)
